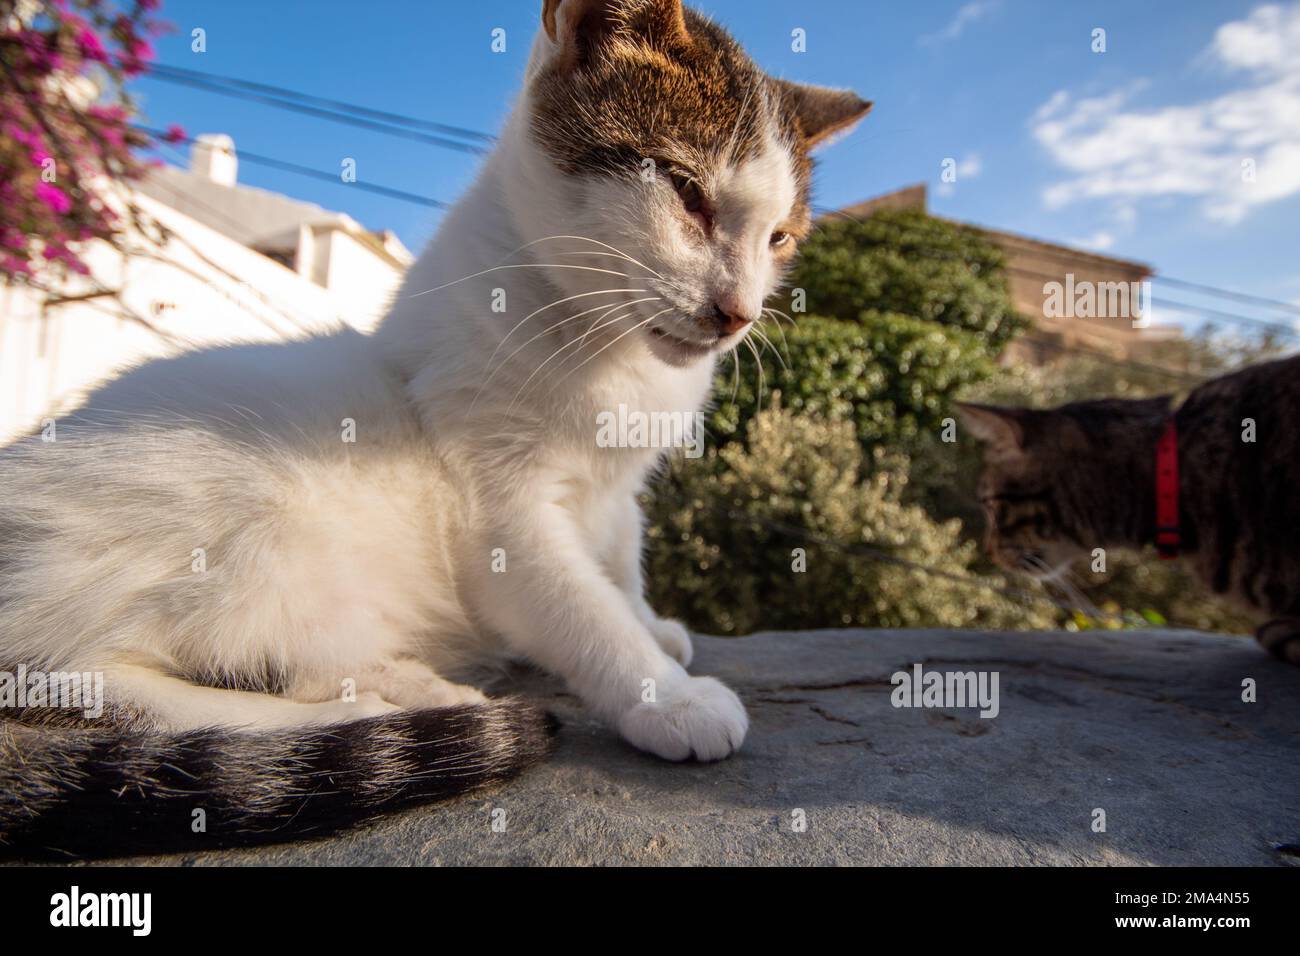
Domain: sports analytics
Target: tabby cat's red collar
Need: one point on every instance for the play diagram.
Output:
(1169, 536)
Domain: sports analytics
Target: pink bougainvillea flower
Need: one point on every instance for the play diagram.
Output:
(175, 134)
(107, 114)
(14, 265)
(139, 52)
(91, 48)
(95, 142)
(53, 196)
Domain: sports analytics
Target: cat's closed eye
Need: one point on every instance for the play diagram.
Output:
(691, 194)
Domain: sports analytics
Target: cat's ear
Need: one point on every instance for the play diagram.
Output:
(822, 111)
(1001, 429)
(579, 28)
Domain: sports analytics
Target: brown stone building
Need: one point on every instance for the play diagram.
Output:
(1078, 300)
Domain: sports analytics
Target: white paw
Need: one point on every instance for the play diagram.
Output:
(698, 717)
(673, 639)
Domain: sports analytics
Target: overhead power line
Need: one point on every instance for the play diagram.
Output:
(400, 119)
(304, 107)
(1228, 294)
(1190, 379)
(273, 163)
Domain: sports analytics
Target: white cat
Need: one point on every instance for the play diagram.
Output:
(236, 537)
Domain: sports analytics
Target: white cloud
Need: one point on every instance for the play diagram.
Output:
(1231, 152)
(1098, 242)
(968, 167)
(967, 14)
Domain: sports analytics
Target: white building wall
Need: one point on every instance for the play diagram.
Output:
(201, 288)
(361, 282)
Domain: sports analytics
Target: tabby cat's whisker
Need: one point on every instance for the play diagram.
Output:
(1059, 576)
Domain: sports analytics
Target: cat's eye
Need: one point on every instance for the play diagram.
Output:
(690, 192)
(779, 239)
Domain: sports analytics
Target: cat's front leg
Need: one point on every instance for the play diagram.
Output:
(624, 563)
(554, 603)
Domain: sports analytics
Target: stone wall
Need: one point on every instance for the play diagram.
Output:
(1148, 727)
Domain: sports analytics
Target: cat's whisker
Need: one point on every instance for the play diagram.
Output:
(768, 342)
(597, 326)
(778, 312)
(762, 377)
(1059, 577)
(563, 348)
(551, 305)
(1068, 581)
(764, 343)
(519, 265)
(604, 310)
(610, 255)
(614, 249)
(735, 383)
(617, 339)
(780, 331)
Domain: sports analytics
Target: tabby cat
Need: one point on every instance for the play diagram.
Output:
(1058, 483)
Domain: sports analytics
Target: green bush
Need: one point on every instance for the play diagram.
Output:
(892, 376)
(904, 311)
(910, 263)
(720, 557)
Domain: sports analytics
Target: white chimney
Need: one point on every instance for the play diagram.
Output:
(213, 157)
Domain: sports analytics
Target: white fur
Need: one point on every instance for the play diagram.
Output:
(371, 564)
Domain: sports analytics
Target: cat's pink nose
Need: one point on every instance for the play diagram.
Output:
(729, 316)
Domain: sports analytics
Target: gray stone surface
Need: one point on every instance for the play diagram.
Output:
(1148, 726)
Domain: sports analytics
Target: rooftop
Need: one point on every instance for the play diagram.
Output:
(915, 197)
(208, 192)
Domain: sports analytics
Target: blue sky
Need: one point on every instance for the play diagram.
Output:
(1136, 151)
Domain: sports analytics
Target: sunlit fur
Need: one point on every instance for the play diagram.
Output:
(473, 516)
